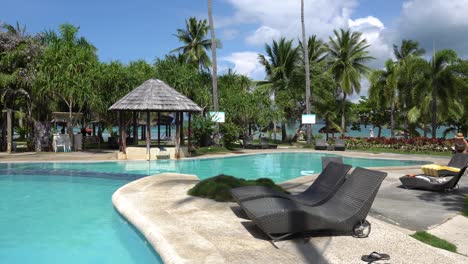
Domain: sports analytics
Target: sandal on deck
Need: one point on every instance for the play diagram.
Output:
(374, 256)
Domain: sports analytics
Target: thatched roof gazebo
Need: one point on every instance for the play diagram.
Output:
(155, 96)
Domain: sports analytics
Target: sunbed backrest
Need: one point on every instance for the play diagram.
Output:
(459, 160)
(358, 190)
(326, 160)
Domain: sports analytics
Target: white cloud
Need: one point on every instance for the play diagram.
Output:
(262, 34)
(443, 23)
(245, 63)
(373, 30)
(283, 17)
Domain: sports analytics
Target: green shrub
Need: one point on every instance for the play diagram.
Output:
(202, 130)
(230, 134)
(218, 187)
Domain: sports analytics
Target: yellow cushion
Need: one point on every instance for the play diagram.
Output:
(434, 169)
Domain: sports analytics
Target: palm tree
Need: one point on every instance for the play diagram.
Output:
(317, 50)
(383, 89)
(307, 71)
(348, 53)
(280, 63)
(443, 82)
(408, 48)
(435, 90)
(405, 53)
(215, 67)
(195, 43)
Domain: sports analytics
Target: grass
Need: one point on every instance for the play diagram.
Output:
(218, 187)
(434, 241)
(409, 152)
(465, 208)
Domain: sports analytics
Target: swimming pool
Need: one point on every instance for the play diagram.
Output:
(62, 212)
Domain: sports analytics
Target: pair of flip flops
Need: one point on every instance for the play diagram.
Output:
(375, 256)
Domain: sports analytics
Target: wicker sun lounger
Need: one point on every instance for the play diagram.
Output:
(340, 144)
(247, 142)
(437, 184)
(344, 212)
(321, 144)
(457, 162)
(323, 187)
(265, 145)
(326, 160)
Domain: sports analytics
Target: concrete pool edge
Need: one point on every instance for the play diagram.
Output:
(246, 152)
(175, 225)
(148, 229)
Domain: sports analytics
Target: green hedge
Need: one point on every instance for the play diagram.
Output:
(218, 187)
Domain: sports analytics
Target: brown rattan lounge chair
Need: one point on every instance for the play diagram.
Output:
(345, 211)
(323, 188)
(437, 184)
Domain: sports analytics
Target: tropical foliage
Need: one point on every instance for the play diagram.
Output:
(59, 70)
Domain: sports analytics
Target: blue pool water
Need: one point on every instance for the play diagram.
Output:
(62, 212)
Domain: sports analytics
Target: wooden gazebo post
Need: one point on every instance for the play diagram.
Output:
(148, 136)
(177, 136)
(124, 134)
(135, 128)
(159, 129)
(181, 121)
(189, 131)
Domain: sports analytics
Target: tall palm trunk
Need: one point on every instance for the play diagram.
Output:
(343, 110)
(307, 71)
(434, 111)
(215, 65)
(392, 119)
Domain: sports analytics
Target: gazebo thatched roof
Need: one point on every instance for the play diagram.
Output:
(155, 95)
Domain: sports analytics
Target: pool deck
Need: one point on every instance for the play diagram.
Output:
(175, 223)
(185, 229)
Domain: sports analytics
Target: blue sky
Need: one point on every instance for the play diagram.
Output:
(142, 29)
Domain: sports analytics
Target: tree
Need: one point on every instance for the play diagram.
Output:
(317, 50)
(307, 71)
(348, 54)
(19, 55)
(383, 89)
(67, 69)
(195, 43)
(443, 82)
(215, 66)
(186, 79)
(435, 94)
(405, 55)
(280, 64)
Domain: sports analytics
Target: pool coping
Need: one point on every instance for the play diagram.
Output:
(173, 223)
(248, 152)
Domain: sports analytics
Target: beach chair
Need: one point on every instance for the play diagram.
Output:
(265, 145)
(321, 144)
(345, 212)
(436, 184)
(323, 187)
(247, 142)
(457, 162)
(327, 160)
(340, 144)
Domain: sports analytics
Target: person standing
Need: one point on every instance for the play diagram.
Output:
(371, 133)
